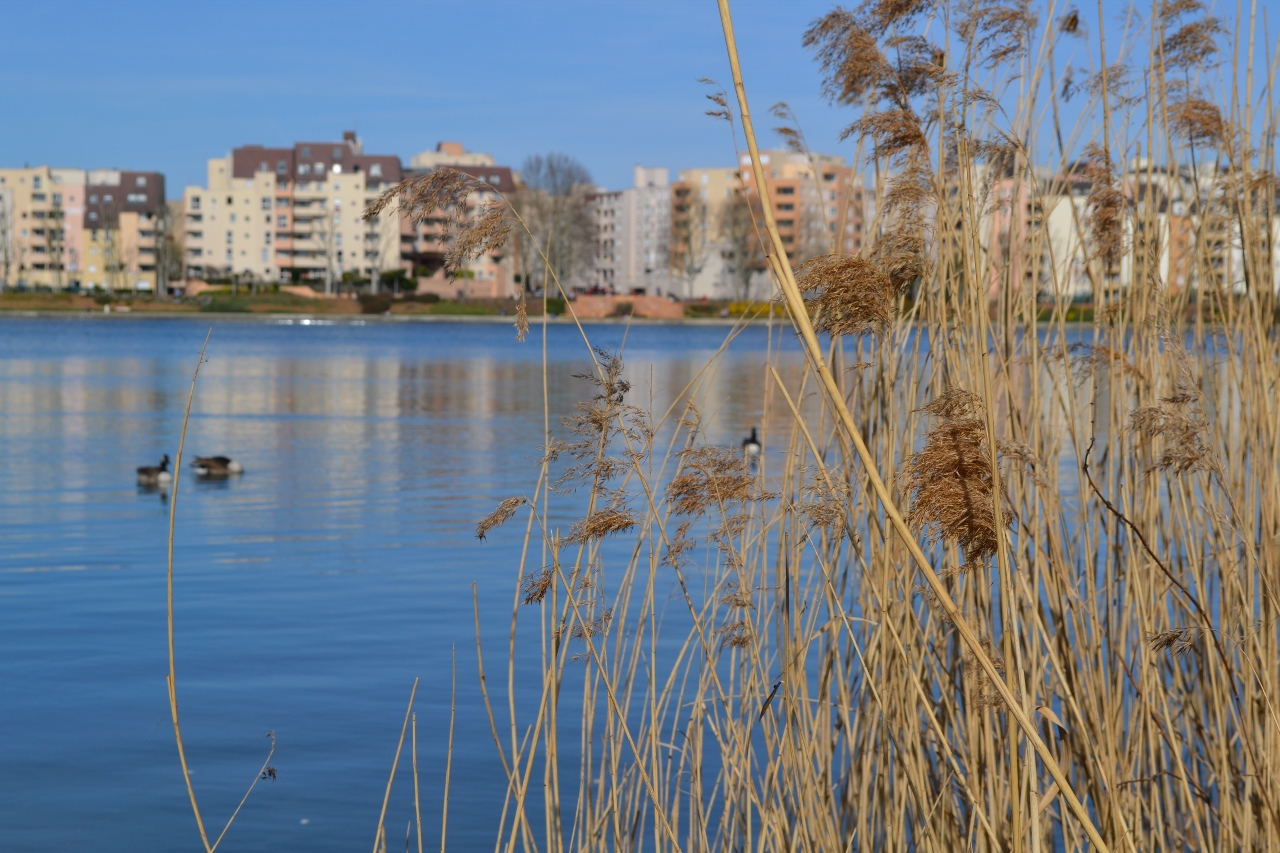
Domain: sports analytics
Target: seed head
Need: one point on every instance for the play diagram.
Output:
(504, 511)
(950, 479)
(853, 296)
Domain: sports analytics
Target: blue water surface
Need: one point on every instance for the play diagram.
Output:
(310, 592)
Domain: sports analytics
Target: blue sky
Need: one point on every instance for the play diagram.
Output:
(149, 85)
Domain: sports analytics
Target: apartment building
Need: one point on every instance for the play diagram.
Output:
(633, 235)
(818, 202)
(122, 229)
(425, 245)
(292, 214)
(80, 229)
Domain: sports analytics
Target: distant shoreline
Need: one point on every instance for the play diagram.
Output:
(359, 319)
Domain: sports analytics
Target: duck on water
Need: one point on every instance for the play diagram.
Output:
(216, 466)
(155, 475)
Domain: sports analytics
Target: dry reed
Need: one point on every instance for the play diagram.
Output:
(1068, 642)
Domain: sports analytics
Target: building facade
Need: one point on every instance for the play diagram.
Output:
(633, 236)
(293, 215)
(72, 229)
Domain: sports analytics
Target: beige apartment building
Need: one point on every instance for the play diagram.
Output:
(79, 229)
(292, 215)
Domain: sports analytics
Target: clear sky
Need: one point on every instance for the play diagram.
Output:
(144, 84)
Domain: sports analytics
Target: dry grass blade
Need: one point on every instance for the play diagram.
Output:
(380, 838)
(267, 769)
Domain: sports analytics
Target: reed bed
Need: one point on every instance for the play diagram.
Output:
(995, 583)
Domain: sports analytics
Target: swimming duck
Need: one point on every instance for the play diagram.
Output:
(216, 466)
(155, 475)
(751, 445)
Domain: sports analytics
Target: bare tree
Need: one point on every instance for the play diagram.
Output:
(741, 248)
(325, 233)
(6, 237)
(168, 248)
(554, 205)
(114, 262)
(55, 243)
(692, 241)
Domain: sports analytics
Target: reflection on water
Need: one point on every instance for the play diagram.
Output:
(311, 590)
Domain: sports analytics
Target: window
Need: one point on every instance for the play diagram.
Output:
(282, 167)
(230, 237)
(266, 204)
(230, 200)
(136, 198)
(233, 217)
(37, 196)
(35, 182)
(195, 201)
(375, 171)
(494, 179)
(93, 217)
(142, 181)
(57, 198)
(319, 168)
(306, 151)
(264, 256)
(304, 169)
(786, 207)
(786, 190)
(282, 221)
(282, 202)
(337, 153)
(337, 168)
(266, 238)
(829, 176)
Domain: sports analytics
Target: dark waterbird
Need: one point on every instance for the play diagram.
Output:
(216, 466)
(155, 475)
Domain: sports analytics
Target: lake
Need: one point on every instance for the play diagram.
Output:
(310, 591)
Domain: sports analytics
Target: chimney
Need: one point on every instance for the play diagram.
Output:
(353, 141)
(453, 149)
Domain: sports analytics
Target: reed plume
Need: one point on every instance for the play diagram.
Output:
(950, 480)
